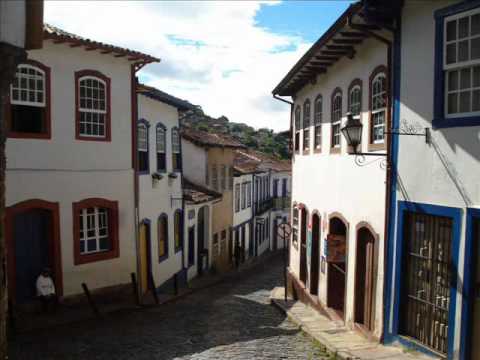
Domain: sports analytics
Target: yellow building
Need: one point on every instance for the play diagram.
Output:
(208, 161)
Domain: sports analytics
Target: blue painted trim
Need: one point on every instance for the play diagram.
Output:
(160, 125)
(456, 215)
(439, 121)
(180, 247)
(396, 84)
(469, 279)
(164, 257)
(147, 125)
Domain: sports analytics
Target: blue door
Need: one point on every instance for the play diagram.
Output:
(32, 230)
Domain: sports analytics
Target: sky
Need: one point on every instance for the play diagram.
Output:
(224, 56)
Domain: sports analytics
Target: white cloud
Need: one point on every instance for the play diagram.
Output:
(213, 53)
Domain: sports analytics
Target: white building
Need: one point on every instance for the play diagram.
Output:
(160, 206)
(281, 177)
(242, 212)
(70, 176)
(336, 252)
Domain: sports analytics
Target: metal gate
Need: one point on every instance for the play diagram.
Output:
(426, 281)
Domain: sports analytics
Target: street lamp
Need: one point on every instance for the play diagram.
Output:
(352, 131)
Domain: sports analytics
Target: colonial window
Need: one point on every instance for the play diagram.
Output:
(93, 106)
(318, 111)
(95, 230)
(223, 178)
(336, 117)
(237, 197)
(214, 177)
(142, 147)
(298, 114)
(162, 231)
(306, 125)
(249, 194)
(275, 187)
(178, 230)
(161, 135)
(378, 101)
(355, 97)
(207, 174)
(176, 153)
(244, 195)
(29, 113)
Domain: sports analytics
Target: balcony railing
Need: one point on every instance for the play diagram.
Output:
(263, 206)
(281, 203)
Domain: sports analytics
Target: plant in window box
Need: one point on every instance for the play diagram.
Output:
(173, 175)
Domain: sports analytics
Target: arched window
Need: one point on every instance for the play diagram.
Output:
(378, 102)
(93, 105)
(142, 147)
(176, 153)
(318, 113)
(162, 231)
(355, 97)
(336, 117)
(306, 125)
(178, 230)
(29, 113)
(161, 139)
(298, 120)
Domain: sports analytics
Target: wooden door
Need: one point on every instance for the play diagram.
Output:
(365, 279)
(303, 248)
(475, 340)
(32, 232)
(144, 255)
(315, 262)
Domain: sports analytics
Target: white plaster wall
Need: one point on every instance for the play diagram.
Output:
(66, 170)
(13, 22)
(244, 214)
(280, 175)
(155, 196)
(194, 162)
(425, 176)
(331, 183)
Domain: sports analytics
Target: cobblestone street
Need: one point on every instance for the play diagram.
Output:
(230, 321)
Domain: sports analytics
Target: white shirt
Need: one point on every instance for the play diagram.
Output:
(45, 286)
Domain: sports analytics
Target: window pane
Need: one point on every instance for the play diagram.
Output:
(452, 103)
(465, 78)
(475, 24)
(476, 100)
(82, 247)
(451, 53)
(91, 245)
(463, 50)
(451, 30)
(465, 101)
(463, 27)
(453, 80)
(475, 48)
(476, 76)
(104, 243)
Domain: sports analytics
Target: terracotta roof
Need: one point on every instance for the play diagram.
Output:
(60, 36)
(251, 161)
(197, 194)
(161, 96)
(206, 139)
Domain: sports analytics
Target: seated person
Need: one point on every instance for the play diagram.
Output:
(46, 289)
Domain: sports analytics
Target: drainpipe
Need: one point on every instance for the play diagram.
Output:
(388, 182)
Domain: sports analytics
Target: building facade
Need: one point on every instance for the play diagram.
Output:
(70, 199)
(242, 214)
(161, 209)
(338, 215)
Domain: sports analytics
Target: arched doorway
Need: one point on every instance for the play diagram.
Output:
(336, 258)
(145, 256)
(33, 241)
(303, 245)
(315, 256)
(365, 272)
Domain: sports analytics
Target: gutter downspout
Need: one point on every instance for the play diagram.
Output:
(388, 182)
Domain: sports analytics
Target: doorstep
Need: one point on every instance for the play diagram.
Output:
(345, 343)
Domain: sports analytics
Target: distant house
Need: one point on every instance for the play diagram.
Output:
(70, 173)
(161, 216)
(209, 160)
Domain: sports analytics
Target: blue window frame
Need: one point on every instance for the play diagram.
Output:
(143, 152)
(457, 66)
(161, 147)
(397, 272)
(178, 230)
(162, 234)
(176, 151)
